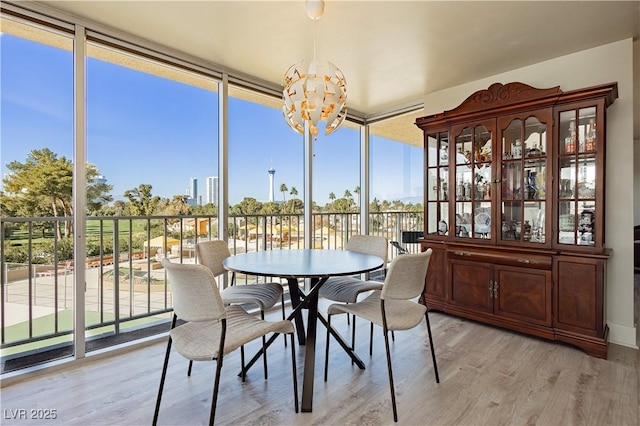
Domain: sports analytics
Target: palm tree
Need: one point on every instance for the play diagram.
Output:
(293, 192)
(357, 192)
(284, 189)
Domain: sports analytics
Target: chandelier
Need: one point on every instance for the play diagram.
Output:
(314, 90)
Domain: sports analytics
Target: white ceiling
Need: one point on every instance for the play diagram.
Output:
(391, 52)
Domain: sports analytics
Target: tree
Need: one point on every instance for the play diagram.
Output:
(284, 189)
(248, 206)
(43, 186)
(348, 195)
(141, 202)
(332, 196)
(357, 192)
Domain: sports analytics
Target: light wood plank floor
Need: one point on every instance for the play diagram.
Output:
(488, 377)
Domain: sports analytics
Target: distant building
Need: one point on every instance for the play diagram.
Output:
(192, 192)
(272, 185)
(212, 190)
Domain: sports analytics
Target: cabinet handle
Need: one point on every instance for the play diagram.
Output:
(461, 253)
(495, 289)
(527, 261)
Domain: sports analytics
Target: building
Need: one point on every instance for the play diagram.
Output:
(272, 184)
(212, 190)
(192, 193)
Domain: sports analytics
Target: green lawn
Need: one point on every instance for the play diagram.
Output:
(44, 325)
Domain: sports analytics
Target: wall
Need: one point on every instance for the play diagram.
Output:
(636, 133)
(605, 64)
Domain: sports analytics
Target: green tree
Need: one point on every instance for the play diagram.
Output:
(284, 189)
(247, 206)
(43, 184)
(141, 202)
(270, 208)
(357, 192)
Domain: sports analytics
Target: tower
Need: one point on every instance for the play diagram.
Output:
(212, 190)
(272, 188)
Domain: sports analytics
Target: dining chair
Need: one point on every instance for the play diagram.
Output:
(210, 330)
(265, 295)
(347, 289)
(393, 308)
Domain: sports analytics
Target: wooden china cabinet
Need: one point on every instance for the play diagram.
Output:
(514, 211)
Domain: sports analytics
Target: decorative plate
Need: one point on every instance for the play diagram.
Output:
(482, 222)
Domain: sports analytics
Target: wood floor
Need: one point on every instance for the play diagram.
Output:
(488, 376)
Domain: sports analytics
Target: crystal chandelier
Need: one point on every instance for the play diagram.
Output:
(314, 90)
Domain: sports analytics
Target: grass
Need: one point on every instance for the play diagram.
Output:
(44, 325)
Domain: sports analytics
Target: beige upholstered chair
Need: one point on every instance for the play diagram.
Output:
(264, 295)
(347, 289)
(211, 331)
(394, 307)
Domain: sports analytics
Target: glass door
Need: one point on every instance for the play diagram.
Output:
(473, 179)
(577, 177)
(524, 179)
(437, 194)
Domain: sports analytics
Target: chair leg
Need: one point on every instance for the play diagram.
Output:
(353, 336)
(433, 352)
(243, 373)
(162, 378)
(371, 339)
(295, 371)
(189, 369)
(326, 351)
(264, 351)
(284, 317)
(216, 385)
(391, 385)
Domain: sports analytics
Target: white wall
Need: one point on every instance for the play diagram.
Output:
(605, 64)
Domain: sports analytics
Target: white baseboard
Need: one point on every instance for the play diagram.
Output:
(623, 335)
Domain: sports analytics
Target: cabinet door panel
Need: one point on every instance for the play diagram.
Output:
(523, 294)
(470, 285)
(436, 274)
(580, 295)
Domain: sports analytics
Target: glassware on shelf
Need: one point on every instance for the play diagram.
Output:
(590, 144)
(516, 149)
(571, 139)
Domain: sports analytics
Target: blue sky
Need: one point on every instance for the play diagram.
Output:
(146, 129)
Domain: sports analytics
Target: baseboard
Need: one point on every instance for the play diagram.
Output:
(623, 335)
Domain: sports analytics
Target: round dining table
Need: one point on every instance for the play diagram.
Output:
(294, 264)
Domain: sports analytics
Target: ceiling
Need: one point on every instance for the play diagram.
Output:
(391, 52)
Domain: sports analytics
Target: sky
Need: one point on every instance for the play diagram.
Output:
(142, 128)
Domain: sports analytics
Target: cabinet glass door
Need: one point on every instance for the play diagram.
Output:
(577, 177)
(524, 195)
(473, 178)
(437, 175)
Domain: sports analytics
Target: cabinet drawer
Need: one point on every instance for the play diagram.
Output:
(521, 259)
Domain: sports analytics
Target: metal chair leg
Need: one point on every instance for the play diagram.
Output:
(216, 386)
(264, 351)
(189, 369)
(371, 339)
(243, 373)
(326, 352)
(284, 317)
(162, 378)
(295, 371)
(353, 336)
(391, 385)
(433, 353)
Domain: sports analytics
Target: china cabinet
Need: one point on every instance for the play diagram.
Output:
(514, 211)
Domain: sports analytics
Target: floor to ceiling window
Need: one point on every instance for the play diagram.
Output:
(152, 151)
(396, 185)
(266, 177)
(336, 186)
(36, 104)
